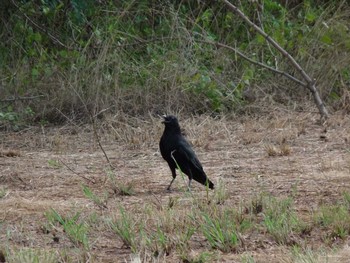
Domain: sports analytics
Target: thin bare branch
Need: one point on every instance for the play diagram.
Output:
(93, 122)
(239, 53)
(102, 111)
(70, 169)
(99, 141)
(40, 28)
(310, 82)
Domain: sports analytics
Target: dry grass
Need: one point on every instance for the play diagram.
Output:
(10, 153)
(166, 227)
(282, 150)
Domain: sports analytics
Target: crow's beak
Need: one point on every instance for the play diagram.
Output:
(164, 119)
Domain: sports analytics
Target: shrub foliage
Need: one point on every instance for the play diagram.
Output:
(75, 58)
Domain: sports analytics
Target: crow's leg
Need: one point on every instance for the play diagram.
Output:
(170, 184)
(189, 180)
(174, 176)
(189, 184)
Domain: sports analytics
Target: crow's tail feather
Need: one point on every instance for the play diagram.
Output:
(211, 185)
(203, 179)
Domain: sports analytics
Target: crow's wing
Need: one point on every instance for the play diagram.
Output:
(185, 156)
(187, 161)
(191, 166)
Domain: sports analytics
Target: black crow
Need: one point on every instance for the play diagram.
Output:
(174, 147)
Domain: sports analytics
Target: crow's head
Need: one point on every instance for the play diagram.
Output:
(169, 119)
(171, 122)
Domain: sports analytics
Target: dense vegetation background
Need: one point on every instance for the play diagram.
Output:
(68, 59)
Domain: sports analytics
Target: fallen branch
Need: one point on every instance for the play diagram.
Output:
(22, 98)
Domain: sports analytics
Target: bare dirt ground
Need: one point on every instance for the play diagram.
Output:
(42, 168)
